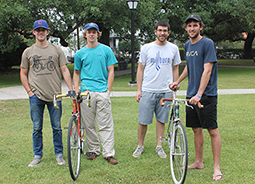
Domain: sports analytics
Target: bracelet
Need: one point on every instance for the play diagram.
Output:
(198, 95)
(29, 91)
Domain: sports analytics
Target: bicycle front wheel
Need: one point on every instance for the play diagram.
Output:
(73, 148)
(83, 141)
(179, 154)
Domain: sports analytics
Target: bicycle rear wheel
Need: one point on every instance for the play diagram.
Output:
(73, 148)
(179, 154)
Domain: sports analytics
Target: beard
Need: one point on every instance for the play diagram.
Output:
(161, 39)
(195, 36)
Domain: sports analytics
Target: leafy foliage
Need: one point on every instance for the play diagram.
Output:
(224, 19)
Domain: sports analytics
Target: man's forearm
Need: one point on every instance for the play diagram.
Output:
(183, 75)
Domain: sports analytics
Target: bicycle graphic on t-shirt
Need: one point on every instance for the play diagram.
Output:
(38, 65)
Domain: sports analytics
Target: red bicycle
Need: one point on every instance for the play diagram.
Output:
(76, 132)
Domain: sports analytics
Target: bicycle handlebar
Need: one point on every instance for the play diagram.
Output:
(55, 97)
(69, 94)
(179, 100)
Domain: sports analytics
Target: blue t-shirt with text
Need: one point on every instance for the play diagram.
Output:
(204, 51)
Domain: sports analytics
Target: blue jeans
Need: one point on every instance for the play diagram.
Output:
(36, 112)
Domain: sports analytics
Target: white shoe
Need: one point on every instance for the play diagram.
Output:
(160, 152)
(60, 161)
(35, 162)
(138, 152)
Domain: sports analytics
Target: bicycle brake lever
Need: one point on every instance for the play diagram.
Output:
(186, 103)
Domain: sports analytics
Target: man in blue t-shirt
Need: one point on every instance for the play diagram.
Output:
(94, 66)
(201, 70)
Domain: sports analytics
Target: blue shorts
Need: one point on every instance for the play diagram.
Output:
(149, 103)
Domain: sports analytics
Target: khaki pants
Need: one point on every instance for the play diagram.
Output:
(100, 107)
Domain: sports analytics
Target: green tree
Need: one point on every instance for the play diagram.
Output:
(125, 45)
(224, 19)
(229, 19)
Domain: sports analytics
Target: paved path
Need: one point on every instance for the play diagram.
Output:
(18, 92)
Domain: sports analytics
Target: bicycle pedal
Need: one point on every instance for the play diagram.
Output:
(163, 139)
(65, 127)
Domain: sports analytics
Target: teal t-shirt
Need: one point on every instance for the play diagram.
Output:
(93, 65)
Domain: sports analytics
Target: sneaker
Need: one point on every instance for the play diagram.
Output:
(111, 160)
(60, 161)
(35, 162)
(138, 152)
(160, 152)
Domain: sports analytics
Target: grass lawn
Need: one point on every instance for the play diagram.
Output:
(235, 117)
(227, 76)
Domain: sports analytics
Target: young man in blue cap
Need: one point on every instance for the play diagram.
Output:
(40, 74)
(201, 71)
(94, 66)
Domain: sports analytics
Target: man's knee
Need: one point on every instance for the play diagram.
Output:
(197, 130)
(214, 132)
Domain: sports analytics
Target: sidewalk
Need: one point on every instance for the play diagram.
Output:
(18, 92)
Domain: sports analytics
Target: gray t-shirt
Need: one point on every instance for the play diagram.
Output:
(158, 62)
(44, 73)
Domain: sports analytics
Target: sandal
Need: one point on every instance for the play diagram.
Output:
(217, 175)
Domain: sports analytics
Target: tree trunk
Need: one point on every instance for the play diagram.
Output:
(248, 46)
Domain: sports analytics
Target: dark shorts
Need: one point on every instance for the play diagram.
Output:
(205, 117)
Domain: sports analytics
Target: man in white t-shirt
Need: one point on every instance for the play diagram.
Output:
(158, 67)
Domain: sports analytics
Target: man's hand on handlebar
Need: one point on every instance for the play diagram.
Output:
(71, 93)
(174, 85)
(194, 100)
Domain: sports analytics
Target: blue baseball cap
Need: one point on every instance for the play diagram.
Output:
(91, 25)
(41, 23)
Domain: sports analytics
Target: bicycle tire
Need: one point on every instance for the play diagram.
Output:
(179, 154)
(73, 148)
(83, 142)
(169, 130)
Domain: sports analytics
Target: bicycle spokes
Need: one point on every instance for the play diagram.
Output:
(179, 154)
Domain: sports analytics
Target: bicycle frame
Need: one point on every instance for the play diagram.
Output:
(174, 117)
(76, 113)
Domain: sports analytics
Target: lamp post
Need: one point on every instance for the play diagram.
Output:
(132, 4)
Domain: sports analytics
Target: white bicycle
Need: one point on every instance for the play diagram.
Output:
(177, 140)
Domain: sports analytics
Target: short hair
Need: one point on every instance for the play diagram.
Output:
(200, 23)
(99, 34)
(162, 23)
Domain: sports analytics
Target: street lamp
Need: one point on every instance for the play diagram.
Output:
(132, 4)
